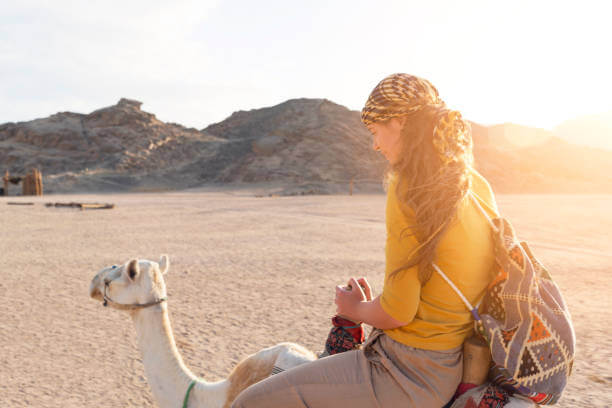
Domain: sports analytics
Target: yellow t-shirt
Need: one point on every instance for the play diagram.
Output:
(438, 319)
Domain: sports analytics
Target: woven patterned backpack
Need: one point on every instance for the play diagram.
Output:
(524, 319)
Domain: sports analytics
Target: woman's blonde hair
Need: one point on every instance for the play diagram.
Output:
(434, 163)
(433, 172)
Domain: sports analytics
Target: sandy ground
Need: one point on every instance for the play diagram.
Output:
(245, 273)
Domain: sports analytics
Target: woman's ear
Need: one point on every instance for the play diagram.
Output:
(402, 121)
(395, 124)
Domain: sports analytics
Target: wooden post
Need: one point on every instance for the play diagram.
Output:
(351, 187)
(39, 183)
(24, 185)
(36, 182)
(6, 182)
(32, 183)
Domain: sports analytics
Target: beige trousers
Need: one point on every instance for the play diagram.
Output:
(384, 373)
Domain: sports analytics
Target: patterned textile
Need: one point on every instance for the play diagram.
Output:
(344, 336)
(276, 370)
(526, 323)
(463, 387)
(452, 136)
(494, 397)
(403, 94)
(397, 95)
(490, 396)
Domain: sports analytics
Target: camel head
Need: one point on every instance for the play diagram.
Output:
(135, 284)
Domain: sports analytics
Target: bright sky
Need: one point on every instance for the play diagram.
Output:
(533, 62)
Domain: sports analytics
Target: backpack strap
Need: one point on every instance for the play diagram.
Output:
(476, 201)
(473, 309)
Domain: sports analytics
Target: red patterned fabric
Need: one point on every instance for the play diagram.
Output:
(463, 388)
(344, 336)
(494, 397)
(355, 329)
(488, 396)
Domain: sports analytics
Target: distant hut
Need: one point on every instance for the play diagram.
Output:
(31, 183)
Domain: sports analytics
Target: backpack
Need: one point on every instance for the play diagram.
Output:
(524, 320)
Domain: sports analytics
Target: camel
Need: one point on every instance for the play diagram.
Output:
(138, 288)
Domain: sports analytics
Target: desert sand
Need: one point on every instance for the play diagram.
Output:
(245, 273)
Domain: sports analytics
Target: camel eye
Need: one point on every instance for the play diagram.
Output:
(132, 269)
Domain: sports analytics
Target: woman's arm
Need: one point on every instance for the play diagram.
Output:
(355, 305)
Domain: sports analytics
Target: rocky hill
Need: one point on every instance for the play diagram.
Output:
(111, 149)
(308, 145)
(592, 130)
(519, 159)
(301, 145)
(302, 141)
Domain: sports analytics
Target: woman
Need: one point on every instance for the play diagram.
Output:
(414, 357)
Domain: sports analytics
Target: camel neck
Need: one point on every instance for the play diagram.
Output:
(166, 372)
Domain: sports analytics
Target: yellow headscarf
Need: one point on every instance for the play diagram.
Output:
(397, 95)
(403, 94)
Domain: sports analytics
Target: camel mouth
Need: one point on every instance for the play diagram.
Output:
(94, 289)
(95, 294)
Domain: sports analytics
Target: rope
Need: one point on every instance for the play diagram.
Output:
(350, 327)
(186, 400)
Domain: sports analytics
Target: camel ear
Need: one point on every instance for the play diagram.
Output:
(133, 269)
(164, 263)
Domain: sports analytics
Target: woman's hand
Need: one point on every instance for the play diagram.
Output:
(365, 286)
(356, 304)
(349, 298)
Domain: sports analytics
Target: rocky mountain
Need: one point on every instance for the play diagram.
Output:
(301, 145)
(309, 145)
(510, 135)
(592, 130)
(519, 159)
(300, 141)
(111, 149)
